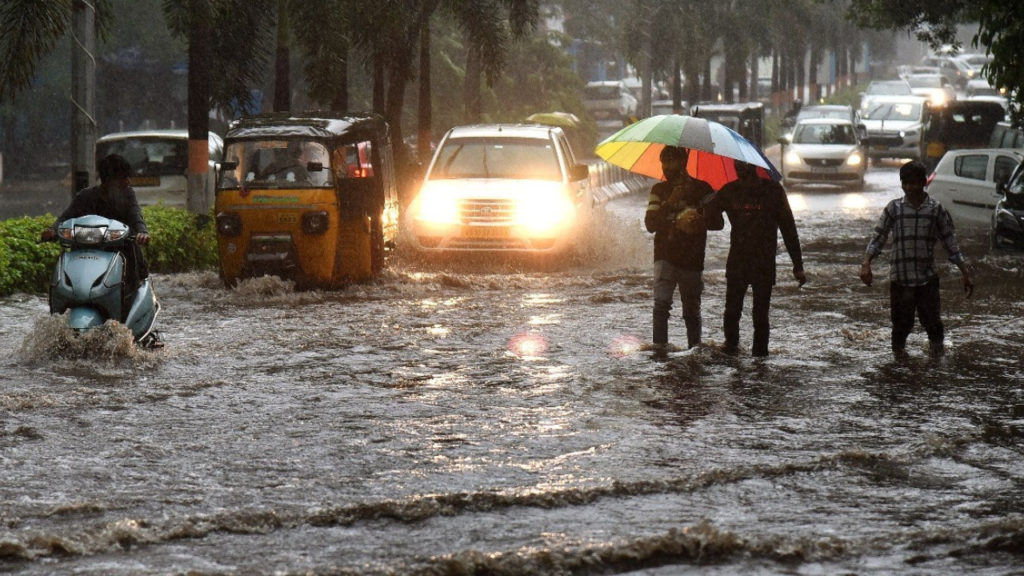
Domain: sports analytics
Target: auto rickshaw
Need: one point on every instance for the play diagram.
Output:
(308, 197)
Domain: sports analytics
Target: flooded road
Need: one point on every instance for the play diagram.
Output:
(490, 418)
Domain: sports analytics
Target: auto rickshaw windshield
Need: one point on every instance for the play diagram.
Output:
(276, 164)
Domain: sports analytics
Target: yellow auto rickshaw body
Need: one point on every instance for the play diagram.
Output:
(308, 197)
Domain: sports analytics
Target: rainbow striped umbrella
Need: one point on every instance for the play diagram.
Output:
(714, 149)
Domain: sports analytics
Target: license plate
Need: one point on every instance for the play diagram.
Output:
(485, 231)
(823, 170)
(145, 180)
(287, 218)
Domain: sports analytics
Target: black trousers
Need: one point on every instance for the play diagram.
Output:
(905, 302)
(735, 292)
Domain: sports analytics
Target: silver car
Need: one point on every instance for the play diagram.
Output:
(824, 151)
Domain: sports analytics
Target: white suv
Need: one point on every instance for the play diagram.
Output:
(501, 188)
(159, 161)
(895, 127)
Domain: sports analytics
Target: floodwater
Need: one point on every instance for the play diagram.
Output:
(492, 418)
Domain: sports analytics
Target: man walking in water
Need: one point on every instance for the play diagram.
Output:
(758, 210)
(916, 222)
(675, 217)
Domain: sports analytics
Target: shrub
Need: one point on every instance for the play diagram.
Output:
(179, 244)
(181, 241)
(25, 263)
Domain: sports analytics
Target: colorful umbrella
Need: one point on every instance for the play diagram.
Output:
(714, 149)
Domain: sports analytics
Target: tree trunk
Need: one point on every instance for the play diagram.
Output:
(83, 96)
(379, 97)
(282, 67)
(199, 53)
(471, 87)
(340, 100)
(424, 134)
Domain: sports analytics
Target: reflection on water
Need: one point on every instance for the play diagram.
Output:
(453, 419)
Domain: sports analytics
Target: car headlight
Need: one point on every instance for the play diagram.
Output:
(793, 158)
(436, 205)
(854, 159)
(544, 211)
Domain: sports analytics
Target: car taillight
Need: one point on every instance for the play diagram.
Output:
(930, 178)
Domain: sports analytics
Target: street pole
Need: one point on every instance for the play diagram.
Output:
(83, 94)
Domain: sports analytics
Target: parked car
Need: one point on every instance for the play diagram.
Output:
(955, 70)
(667, 107)
(1004, 135)
(961, 124)
(502, 188)
(979, 90)
(895, 127)
(609, 102)
(967, 182)
(935, 87)
(823, 151)
(159, 161)
(882, 89)
(746, 118)
(1007, 228)
(975, 61)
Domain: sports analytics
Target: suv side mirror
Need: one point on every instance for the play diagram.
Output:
(579, 172)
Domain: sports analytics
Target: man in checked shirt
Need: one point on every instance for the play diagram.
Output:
(916, 222)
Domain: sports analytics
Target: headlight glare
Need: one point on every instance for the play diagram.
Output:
(437, 206)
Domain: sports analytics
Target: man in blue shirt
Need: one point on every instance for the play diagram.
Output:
(916, 222)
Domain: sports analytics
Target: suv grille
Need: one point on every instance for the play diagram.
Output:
(485, 211)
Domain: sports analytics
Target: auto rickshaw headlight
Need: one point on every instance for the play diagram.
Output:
(315, 222)
(229, 224)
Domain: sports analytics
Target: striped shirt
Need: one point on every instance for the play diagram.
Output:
(914, 234)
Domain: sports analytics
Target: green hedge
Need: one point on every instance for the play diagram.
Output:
(179, 243)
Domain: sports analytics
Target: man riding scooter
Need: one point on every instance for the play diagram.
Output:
(113, 198)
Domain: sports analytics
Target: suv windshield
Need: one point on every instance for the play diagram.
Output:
(894, 111)
(149, 156)
(518, 158)
(276, 164)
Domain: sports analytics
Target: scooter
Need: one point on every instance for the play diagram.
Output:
(89, 283)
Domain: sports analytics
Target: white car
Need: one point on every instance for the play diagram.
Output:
(966, 182)
(159, 161)
(508, 188)
(895, 127)
(824, 151)
(883, 89)
(935, 87)
(609, 102)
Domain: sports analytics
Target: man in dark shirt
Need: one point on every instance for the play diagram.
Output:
(113, 198)
(758, 210)
(675, 217)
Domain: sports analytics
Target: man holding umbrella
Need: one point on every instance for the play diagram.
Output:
(675, 217)
(758, 209)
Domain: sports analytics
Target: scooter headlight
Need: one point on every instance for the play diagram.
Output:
(90, 234)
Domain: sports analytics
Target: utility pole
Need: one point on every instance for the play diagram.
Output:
(83, 95)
